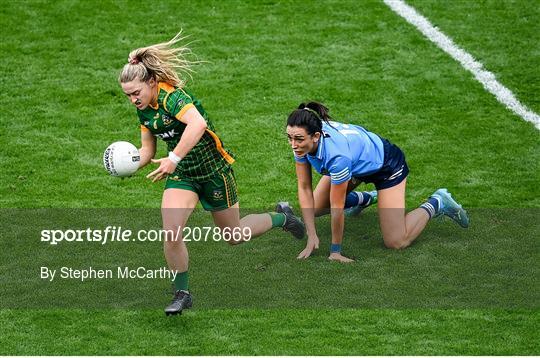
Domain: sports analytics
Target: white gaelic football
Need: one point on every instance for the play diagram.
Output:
(121, 159)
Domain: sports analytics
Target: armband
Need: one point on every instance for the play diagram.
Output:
(174, 158)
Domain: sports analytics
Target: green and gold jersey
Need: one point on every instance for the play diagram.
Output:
(208, 156)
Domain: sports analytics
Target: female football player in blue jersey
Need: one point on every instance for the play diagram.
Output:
(347, 155)
(197, 167)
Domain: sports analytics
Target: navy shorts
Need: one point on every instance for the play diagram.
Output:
(393, 171)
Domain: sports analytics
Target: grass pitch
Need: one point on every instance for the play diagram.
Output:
(62, 106)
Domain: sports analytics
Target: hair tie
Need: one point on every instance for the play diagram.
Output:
(312, 111)
(133, 60)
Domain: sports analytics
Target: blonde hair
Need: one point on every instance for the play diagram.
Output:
(162, 61)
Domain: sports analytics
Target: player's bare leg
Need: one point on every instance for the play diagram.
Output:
(321, 196)
(253, 225)
(177, 205)
(248, 227)
(399, 229)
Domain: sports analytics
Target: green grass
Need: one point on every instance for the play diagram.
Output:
(62, 106)
(271, 332)
(448, 267)
(509, 54)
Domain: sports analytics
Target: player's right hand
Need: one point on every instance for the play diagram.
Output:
(336, 256)
(312, 244)
(166, 167)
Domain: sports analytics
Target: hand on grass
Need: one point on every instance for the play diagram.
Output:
(336, 256)
(312, 244)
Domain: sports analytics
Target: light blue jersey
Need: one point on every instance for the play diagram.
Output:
(346, 151)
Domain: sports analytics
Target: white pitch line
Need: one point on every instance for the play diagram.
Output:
(486, 78)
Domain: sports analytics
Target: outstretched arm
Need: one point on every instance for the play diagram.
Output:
(338, 192)
(307, 204)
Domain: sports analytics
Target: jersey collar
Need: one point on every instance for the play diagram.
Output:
(318, 155)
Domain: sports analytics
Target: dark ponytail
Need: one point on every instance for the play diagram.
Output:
(310, 117)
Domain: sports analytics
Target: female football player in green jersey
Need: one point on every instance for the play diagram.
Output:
(197, 168)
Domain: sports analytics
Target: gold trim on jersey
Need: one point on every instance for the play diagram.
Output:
(183, 111)
(167, 88)
(144, 129)
(226, 190)
(170, 89)
(220, 148)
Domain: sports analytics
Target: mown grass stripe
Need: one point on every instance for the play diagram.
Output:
(485, 77)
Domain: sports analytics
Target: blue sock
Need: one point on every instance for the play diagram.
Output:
(351, 200)
(432, 206)
(355, 198)
(365, 198)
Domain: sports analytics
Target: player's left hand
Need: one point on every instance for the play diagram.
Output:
(166, 167)
(336, 256)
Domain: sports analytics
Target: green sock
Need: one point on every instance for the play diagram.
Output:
(181, 281)
(278, 219)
